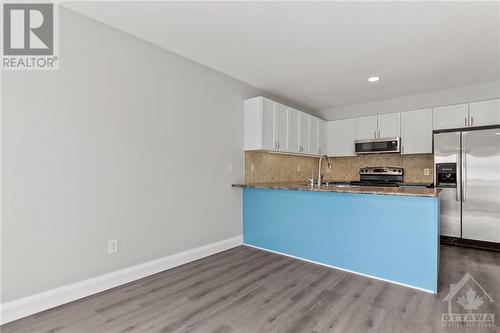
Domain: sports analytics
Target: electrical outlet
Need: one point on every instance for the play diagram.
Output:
(252, 167)
(229, 166)
(426, 172)
(113, 246)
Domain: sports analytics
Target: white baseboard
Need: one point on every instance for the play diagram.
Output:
(344, 269)
(29, 305)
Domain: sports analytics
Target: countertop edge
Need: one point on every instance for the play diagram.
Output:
(407, 192)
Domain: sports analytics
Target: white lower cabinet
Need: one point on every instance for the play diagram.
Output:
(485, 113)
(416, 132)
(340, 137)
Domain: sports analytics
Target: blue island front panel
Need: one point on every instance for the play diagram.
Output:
(394, 238)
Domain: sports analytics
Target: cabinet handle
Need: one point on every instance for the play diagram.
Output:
(278, 146)
(379, 134)
(465, 121)
(472, 121)
(402, 149)
(375, 134)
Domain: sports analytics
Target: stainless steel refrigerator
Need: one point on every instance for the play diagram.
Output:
(467, 168)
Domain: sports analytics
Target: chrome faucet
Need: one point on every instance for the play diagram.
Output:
(319, 167)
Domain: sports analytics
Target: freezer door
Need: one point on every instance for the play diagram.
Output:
(481, 185)
(447, 150)
(450, 212)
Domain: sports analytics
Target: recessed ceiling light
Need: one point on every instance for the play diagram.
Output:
(374, 78)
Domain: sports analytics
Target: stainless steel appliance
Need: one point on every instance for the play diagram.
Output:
(379, 176)
(467, 169)
(378, 146)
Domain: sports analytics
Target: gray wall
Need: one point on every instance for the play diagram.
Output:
(125, 141)
(478, 92)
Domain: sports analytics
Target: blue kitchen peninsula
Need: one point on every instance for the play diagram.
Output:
(390, 234)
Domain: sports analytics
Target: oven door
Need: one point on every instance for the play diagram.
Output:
(377, 146)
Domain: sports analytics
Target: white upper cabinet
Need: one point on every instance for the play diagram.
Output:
(451, 116)
(366, 128)
(313, 135)
(340, 137)
(322, 137)
(304, 133)
(268, 107)
(416, 132)
(389, 125)
(281, 127)
(273, 126)
(293, 130)
(258, 127)
(485, 113)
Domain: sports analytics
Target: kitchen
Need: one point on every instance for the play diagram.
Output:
(319, 166)
(382, 141)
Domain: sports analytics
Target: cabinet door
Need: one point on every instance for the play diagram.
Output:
(485, 113)
(280, 127)
(293, 130)
(416, 132)
(366, 128)
(313, 136)
(389, 125)
(341, 135)
(268, 141)
(451, 116)
(304, 133)
(321, 137)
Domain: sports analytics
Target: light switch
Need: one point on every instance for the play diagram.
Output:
(230, 167)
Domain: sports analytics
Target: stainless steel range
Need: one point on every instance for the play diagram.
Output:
(379, 176)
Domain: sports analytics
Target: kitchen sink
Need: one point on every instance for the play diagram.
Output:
(336, 184)
(332, 184)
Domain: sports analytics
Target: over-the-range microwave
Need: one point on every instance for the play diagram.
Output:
(378, 146)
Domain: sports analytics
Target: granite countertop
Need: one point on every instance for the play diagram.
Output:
(404, 191)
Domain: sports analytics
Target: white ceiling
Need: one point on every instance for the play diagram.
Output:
(319, 54)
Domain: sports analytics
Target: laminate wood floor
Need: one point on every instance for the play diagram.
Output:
(249, 290)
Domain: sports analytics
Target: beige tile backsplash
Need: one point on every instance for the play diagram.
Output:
(264, 167)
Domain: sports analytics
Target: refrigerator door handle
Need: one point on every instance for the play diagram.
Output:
(464, 175)
(458, 186)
